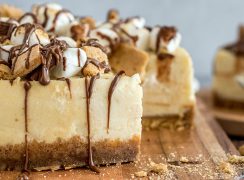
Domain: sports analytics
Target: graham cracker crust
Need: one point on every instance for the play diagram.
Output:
(172, 122)
(68, 154)
(221, 102)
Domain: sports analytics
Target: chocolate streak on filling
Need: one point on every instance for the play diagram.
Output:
(112, 43)
(89, 89)
(133, 38)
(162, 56)
(78, 56)
(25, 172)
(68, 82)
(33, 16)
(110, 94)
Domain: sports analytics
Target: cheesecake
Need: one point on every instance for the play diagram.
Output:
(228, 75)
(61, 106)
(165, 68)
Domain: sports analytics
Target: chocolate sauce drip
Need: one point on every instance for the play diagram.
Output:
(69, 86)
(44, 24)
(166, 33)
(4, 63)
(133, 38)
(25, 172)
(78, 56)
(98, 64)
(33, 16)
(44, 78)
(94, 43)
(110, 94)
(112, 43)
(162, 56)
(89, 89)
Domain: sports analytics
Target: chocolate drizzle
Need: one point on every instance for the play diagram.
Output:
(25, 172)
(166, 33)
(133, 38)
(94, 43)
(68, 82)
(89, 89)
(110, 94)
(78, 56)
(163, 56)
(112, 43)
(33, 16)
(56, 18)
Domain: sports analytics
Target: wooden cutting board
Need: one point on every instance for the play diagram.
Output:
(194, 154)
(232, 122)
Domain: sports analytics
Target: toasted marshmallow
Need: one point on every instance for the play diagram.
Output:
(240, 80)
(170, 45)
(38, 36)
(74, 60)
(4, 52)
(9, 20)
(71, 43)
(28, 18)
(53, 17)
(107, 37)
(134, 27)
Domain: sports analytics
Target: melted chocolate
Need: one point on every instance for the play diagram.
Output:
(89, 89)
(112, 43)
(25, 173)
(166, 33)
(33, 16)
(162, 56)
(110, 94)
(69, 86)
(133, 38)
(78, 56)
(94, 43)
(56, 18)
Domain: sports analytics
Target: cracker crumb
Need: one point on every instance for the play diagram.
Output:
(226, 167)
(141, 174)
(184, 159)
(234, 159)
(158, 168)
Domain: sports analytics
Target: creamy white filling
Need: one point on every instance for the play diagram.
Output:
(75, 59)
(7, 19)
(170, 46)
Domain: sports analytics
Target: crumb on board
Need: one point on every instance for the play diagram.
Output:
(141, 174)
(226, 167)
(234, 159)
(241, 150)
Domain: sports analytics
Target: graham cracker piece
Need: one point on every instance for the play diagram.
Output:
(5, 72)
(20, 67)
(10, 11)
(164, 62)
(130, 59)
(94, 53)
(79, 32)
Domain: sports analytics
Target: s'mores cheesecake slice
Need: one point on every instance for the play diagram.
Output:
(165, 68)
(60, 104)
(228, 75)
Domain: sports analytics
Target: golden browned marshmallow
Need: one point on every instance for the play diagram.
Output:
(97, 61)
(130, 59)
(26, 61)
(79, 32)
(10, 11)
(164, 61)
(88, 20)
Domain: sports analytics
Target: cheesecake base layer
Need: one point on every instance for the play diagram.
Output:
(68, 154)
(172, 122)
(226, 103)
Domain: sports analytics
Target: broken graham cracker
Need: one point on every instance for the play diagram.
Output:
(130, 59)
(10, 11)
(164, 61)
(5, 72)
(96, 55)
(26, 62)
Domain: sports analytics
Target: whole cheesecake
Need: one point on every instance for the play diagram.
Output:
(61, 107)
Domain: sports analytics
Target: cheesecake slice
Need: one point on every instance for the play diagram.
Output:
(63, 123)
(165, 68)
(61, 106)
(228, 75)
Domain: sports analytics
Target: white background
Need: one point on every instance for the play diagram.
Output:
(204, 24)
